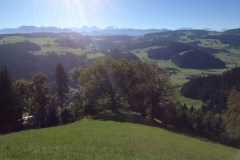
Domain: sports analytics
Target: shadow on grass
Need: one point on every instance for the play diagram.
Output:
(131, 117)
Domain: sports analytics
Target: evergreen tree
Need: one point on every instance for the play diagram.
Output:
(8, 112)
(62, 87)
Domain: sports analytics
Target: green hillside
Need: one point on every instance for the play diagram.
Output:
(74, 50)
(106, 139)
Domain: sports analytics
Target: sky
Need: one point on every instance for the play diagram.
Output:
(142, 14)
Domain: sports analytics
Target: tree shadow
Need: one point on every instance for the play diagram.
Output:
(128, 116)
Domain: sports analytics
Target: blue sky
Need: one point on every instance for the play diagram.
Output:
(171, 14)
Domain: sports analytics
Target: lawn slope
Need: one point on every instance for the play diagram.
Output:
(106, 139)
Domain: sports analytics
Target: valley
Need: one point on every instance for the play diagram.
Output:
(137, 47)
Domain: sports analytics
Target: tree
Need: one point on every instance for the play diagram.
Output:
(99, 81)
(152, 87)
(51, 116)
(8, 110)
(62, 87)
(232, 116)
(41, 97)
(139, 83)
(75, 74)
(66, 116)
(23, 92)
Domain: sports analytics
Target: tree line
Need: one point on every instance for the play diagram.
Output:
(213, 89)
(221, 97)
(33, 97)
(105, 84)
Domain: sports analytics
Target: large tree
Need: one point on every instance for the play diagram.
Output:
(61, 81)
(41, 96)
(232, 116)
(24, 99)
(151, 87)
(8, 110)
(99, 81)
(137, 83)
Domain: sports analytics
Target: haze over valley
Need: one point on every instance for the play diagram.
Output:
(102, 79)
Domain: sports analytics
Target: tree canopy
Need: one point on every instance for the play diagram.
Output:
(114, 83)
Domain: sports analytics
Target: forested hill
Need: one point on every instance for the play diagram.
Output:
(22, 60)
(23, 63)
(213, 89)
(197, 59)
(185, 56)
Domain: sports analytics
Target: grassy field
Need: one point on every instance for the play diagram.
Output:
(94, 55)
(12, 39)
(212, 43)
(106, 139)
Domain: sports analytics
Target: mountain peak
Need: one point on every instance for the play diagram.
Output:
(111, 28)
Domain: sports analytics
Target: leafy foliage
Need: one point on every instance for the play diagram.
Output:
(61, 81)
(232, 116)
(23, 91)
(112, 81)
(41, 95)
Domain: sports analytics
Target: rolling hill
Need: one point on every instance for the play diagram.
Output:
(197, 59)
(109, 137)
(73, 50)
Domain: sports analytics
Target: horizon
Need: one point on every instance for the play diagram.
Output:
(106, 28)
(149, 14)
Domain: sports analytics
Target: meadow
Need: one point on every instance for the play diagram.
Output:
(109, 138)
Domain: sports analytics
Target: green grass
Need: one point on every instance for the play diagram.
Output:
(95, 55)
(234, 51)
(12, 39)
(106, 139)
(212, 43)
(188, 101)
(186, 37)
(46, 44)
(230, 59)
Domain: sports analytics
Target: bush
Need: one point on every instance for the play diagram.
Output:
(65, 116)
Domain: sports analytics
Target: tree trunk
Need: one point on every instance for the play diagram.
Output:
(114, 102)
(152, 113)
(153, 109)
(130, 101)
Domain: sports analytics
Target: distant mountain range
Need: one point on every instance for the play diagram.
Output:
(94, 30)
(85, 30)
